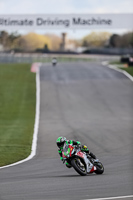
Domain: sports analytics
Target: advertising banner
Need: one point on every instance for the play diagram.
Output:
(69, 21)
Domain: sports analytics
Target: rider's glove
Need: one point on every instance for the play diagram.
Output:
(92, 155)
(78, 144)
(63, 159)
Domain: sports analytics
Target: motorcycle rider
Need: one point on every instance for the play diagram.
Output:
(62, 140)
(54, 61)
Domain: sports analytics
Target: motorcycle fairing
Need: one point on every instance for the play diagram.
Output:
(89, 166)
(80, 154)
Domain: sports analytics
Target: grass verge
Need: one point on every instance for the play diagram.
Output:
(115, 62)
(121, 66)
(17, 112)
(128, 69)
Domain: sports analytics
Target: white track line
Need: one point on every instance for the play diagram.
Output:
(120, 197)
(122, 71)
(36, 125)
(117, 69)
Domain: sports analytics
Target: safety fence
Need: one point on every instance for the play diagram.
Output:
(46, 58)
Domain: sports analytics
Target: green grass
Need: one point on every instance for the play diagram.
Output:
(121, 66)
(129, 70)
(17, 112)
(117, 62)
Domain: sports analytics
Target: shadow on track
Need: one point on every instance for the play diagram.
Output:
(65, 176)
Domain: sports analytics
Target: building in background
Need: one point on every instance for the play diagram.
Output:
(63, 43)
(1, 47)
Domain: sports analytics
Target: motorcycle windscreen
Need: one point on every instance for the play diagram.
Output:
(66, 149)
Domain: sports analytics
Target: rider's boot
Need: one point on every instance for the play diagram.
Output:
(68, 165)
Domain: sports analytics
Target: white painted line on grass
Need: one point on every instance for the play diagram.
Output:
(109, 198)
(36, 125)
(117, 69)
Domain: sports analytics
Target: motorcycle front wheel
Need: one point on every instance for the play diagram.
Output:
(79, 166)
(54, 64)
(100, 168)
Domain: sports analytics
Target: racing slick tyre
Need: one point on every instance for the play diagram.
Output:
(79, 166)
(100, 168)
(54, 64)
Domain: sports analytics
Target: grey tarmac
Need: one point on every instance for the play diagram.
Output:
(83, 101)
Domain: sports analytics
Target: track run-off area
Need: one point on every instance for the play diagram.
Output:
(83, 101)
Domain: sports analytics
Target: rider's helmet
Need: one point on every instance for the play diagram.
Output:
(60, 141)
(84, 147)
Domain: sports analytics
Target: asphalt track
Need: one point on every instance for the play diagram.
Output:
(87, 102)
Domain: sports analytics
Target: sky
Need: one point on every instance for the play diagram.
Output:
(67, 7)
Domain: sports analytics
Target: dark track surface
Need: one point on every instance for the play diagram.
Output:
(86, 102)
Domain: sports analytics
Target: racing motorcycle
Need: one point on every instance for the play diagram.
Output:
(80, 161)
(54, 61)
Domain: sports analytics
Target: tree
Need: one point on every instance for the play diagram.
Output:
(95, 39)
(127, 40)
(9, 41)
(13, 40)
(122, 41)
(115, 40)
(33, 41)
(55, 41)
(4, 38)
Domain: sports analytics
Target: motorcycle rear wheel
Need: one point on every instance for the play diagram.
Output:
(76, 165)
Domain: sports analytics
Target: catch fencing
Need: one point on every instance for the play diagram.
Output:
(47, 58)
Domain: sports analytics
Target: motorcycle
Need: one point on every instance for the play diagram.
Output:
(54, 61)
(80, 161)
